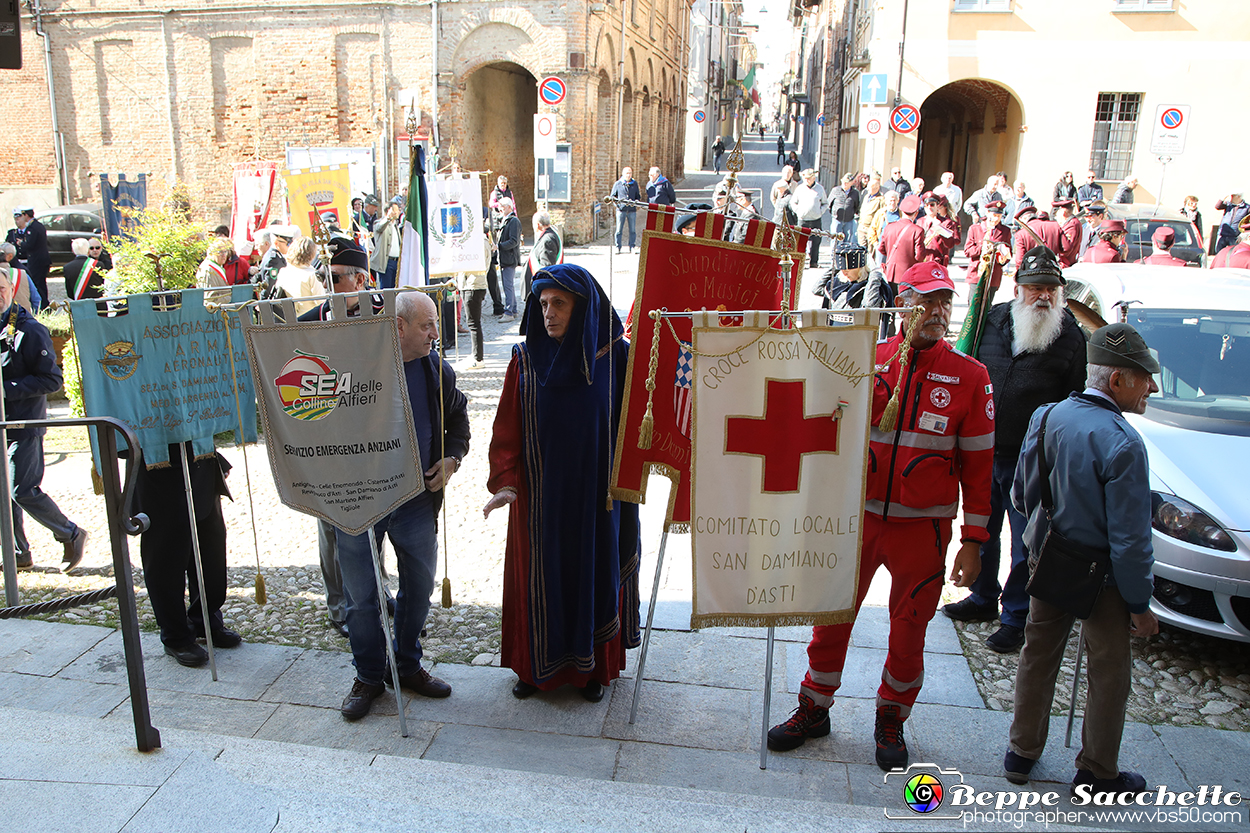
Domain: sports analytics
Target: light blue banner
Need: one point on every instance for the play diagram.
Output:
(166, 371)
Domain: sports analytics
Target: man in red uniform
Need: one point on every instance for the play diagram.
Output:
(990, 233)
(943, 439)
(902, 242)
(1070, 226)
(1107, 249)
(1050, 232)
(1237, 255)
(1162, 241)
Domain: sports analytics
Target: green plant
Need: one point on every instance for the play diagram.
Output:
(167, 232)
(56, 320)
(71, 379)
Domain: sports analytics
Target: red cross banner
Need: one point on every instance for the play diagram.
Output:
(780, 450)
(682, 273)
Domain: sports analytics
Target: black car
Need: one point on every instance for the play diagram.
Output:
(66, 222)
(1141, 222)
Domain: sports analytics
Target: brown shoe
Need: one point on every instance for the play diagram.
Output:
(360, 699)
(74, 549)
(421, 683)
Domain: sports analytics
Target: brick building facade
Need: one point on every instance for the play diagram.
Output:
(184, 91)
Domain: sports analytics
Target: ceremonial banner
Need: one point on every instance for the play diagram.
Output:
(334, 405)
(457, 231)
(253, 193)
(677, 273)
(314, 191)
(131, 196)
(780, 453)
(163, 366)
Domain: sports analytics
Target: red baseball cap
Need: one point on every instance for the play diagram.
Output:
(927, 277)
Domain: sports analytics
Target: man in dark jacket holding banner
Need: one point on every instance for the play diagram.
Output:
(1035, 354)
(441, 418)
(1097, 461)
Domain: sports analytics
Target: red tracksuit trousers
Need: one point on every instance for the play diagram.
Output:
(914, 551)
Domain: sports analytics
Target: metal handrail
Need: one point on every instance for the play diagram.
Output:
(118, 496)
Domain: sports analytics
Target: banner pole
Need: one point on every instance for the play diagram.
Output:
(768, 698)
(646, 639)
(386, 626)
(1076, 682)
(199, 561)
(11, 597)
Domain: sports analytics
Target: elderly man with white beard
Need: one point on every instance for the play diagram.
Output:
(1035, 353)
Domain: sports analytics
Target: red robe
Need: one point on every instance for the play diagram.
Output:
(507, 469)
(1237, 256)
(972, 250)
(902, 243)
(1103, 252)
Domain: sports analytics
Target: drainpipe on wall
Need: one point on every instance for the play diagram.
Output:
(620, 100)
(169, 98)
(434, 105)
(898, 90)
(58, 146)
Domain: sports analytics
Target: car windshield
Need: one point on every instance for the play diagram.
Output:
(1141, 231)
(1204, 356)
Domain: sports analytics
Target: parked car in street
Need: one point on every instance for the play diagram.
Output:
(1197, 432)
(1141, 221)
(66, 222)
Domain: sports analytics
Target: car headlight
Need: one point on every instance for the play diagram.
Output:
(1183, 521)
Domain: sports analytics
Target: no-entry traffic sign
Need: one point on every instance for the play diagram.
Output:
(552, 90)
(904, 119)
(1167, 138)
(872, 121)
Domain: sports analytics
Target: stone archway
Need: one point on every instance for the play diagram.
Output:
(498, 108)
(970, 127)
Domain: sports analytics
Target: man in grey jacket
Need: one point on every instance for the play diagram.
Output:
(1097, 465)
(387, 236)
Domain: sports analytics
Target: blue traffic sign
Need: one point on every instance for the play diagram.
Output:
(904, 118)
(699, 116)
(821, 119)
(551, 90)
(874, 88)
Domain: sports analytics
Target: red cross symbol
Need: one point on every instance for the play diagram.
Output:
(783, 435)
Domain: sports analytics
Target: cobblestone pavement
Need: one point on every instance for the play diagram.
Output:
(1179, 678)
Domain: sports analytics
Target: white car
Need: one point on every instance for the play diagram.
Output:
(1197, 431)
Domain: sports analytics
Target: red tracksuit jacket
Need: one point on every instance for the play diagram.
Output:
(944, 438)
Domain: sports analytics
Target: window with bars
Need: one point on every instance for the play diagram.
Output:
(1115, 134)
(1142, 6)
(982, 5)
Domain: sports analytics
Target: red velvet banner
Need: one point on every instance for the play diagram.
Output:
(682, 273)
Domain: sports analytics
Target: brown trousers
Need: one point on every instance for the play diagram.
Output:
(1108, 664)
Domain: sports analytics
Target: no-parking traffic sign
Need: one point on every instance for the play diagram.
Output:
(905, 118)
(872, 121)
(1170, 126)
(699, 116)
(552, 90)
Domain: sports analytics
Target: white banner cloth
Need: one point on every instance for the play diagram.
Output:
(780, 450)
(457, 230)
(334, 405)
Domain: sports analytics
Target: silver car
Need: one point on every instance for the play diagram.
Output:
(1197, 431)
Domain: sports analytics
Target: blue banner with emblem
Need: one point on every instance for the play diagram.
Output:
(121, 200)
(163, 364)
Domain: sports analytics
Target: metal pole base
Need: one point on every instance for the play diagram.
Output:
(1076, 682)
(646, 638)
(768, 698)
(386, 626)
(199, 562)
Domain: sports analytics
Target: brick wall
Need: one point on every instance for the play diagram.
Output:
(184, 94)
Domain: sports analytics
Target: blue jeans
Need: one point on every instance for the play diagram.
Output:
(507, 276)
(386, 280)
(26, 477)
(847, 229)
(986, 589)
(411, 529)
(620, 227)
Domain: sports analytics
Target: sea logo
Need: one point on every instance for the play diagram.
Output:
(120, 360)
(923, 793)
(309, 388)
(924, 790)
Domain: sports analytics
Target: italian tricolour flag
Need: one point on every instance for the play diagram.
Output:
(414, 257)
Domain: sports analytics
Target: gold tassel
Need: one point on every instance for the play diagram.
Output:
(97, 484)
(647, 428)
(889, 417)
(446, 591)
(261, 596)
